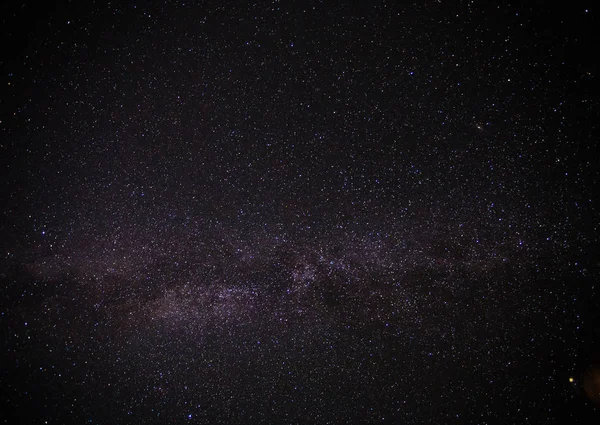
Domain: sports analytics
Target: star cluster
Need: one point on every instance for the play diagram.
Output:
(283, 212)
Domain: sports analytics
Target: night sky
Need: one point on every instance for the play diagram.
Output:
(281, 212)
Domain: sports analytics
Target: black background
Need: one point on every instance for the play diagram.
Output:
(299, 212)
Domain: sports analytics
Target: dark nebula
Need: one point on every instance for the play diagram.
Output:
(299, 212)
